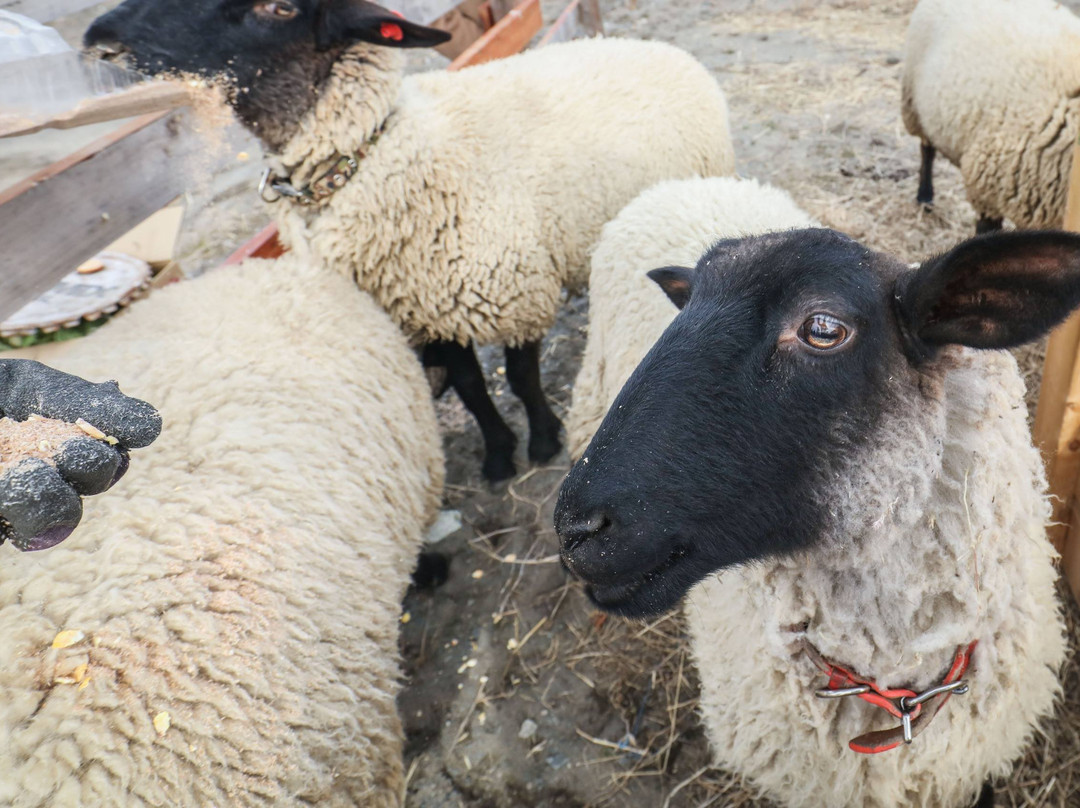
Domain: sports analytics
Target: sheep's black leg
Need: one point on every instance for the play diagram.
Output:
(437, 375)
(986, 796)
(466, 377)
(925, 195)
(432, 570)
(523, 373)
(987, 224)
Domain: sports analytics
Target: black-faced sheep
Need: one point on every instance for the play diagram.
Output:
(995, 86)
(463, 202)
(815, 444)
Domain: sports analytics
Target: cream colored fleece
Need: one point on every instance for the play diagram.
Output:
(246, 577)
(937, 539)
(486, 188)
(995, 86)
(672, 223)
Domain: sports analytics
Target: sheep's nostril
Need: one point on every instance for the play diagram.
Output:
(575, 531)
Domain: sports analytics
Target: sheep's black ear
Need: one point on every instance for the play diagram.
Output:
(994, 291)
(676, 282)
(342, 21)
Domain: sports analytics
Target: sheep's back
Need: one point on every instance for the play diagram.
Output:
(483, 196)
(995, 86)
(246, 577)
(587, 125)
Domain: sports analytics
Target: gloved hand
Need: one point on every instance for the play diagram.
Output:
(40, 504)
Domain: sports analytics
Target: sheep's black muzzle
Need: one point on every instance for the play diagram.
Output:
(626, 568)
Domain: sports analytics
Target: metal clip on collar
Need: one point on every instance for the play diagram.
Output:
(908, 704)
(281, 188)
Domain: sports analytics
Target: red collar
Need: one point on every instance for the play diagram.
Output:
(915, 710)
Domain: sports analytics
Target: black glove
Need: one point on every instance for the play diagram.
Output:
(40, 505)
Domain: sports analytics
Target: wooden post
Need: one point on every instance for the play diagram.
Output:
(57, 218)
(580, 18)
(508, 36)
(500, 8)
(1057, 417)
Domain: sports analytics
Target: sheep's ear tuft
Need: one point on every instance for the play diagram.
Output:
(994, 291)
(342, 21)
(677, 283)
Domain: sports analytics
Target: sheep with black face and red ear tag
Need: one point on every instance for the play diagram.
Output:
(463, 202)
(226, 631)
(993, 85)
(817, 452)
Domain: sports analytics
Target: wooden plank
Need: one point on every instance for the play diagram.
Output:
(1061, 351)
(265, 244)
(59, 217)
(508, 36)
(140, 99)
(46, 10)
(466, 22)
(1070, 553)
(580, 18)
(500, 8)
(1065, 465)
(1057, 417)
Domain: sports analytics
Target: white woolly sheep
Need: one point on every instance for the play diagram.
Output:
(867, 489)
(995, 85)
(477, 193)
(231, 614)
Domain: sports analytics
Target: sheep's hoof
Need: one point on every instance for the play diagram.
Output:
(544, 441)
(926, 200)
(544, 447)
(499, 467)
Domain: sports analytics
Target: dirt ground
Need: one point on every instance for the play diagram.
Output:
(518, 693)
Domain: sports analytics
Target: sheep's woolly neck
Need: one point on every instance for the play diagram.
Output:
(352, 105)
(461, 233)
(938, 539)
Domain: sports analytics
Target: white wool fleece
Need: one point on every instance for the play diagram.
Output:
(672, 223)
(937, 539)
(486, 187)
(995, 86)
(246, 577)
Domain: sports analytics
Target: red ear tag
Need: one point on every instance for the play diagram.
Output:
(391, 30)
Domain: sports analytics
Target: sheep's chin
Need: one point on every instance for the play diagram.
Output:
(647, 594)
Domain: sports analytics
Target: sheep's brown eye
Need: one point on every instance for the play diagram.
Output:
(823, 332)
(276, 8)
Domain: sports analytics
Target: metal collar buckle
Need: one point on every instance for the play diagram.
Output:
(342, 169)
(281, 188)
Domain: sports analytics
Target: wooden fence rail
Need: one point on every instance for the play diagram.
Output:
(1057, 418)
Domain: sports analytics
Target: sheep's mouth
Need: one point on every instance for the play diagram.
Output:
(645, 594)
(112, 52)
